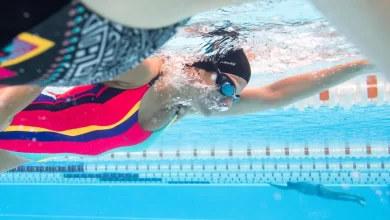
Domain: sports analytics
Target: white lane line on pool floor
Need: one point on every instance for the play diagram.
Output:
(97, 217)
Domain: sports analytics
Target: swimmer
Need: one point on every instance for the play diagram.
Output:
(365, 23)
(80, 42)
(123, 115)
(321, 191)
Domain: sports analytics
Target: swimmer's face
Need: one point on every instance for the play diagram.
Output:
(206, 97)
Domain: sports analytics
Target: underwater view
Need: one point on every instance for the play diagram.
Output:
(326, 156)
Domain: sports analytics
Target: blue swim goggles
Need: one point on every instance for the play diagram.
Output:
(226, 85)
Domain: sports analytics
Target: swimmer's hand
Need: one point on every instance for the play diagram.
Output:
(362, 202)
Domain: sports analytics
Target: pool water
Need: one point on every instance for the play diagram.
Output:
(218, 168)
(184, 203)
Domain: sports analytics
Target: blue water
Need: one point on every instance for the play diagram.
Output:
(287, 37)
(335, 127)
(224, 202)
(239, 203)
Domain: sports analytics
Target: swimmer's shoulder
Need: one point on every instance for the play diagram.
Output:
(138, 76)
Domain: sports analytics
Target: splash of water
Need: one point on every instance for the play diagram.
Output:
(190, 90)
(275, 41)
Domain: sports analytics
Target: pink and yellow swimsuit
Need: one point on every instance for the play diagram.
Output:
(87, 120)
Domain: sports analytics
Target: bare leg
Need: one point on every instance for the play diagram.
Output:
(154, 13)
(361, 202)
(9, 161)
(336, 195)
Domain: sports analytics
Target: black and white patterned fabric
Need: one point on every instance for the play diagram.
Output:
(88, 48)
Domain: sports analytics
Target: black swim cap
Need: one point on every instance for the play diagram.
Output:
(234, 62)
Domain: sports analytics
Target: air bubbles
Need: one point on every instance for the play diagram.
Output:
(276, 18)
(345, 186)
(280, 41)
(277, 196)
(213, 77)
(26, 14)
(181, 111)
(306, 7)
(355, 175)
(41, 118)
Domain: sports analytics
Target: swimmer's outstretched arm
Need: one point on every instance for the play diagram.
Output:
(365, 23)
(154, 13)
(13, 99)
(295, 88)
(280, 187)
